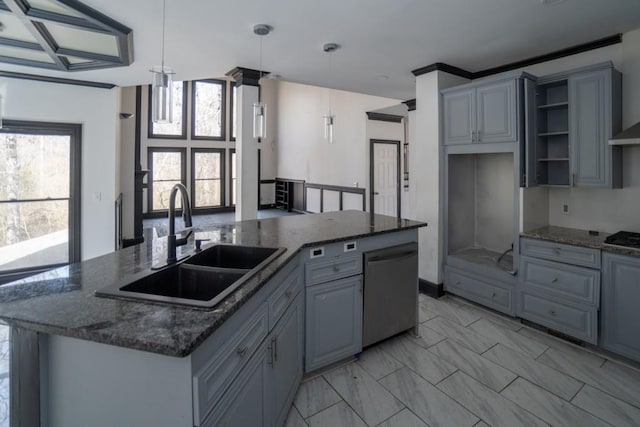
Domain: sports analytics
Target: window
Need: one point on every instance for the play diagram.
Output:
(167, 168)
(234, 91)
(207, 171)
(178, 128)
(233, 176)
(39, 196)
(208, 99)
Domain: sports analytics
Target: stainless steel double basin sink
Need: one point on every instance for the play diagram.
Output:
(202, 280)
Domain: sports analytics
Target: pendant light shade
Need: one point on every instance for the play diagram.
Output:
(162, 95)
(259, 119)
(260, 108)
(329, 118)
(162, 85)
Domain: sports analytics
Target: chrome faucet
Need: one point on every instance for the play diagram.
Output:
(172, 240)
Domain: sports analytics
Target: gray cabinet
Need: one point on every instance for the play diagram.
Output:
(334, 321)
(286, 363)
(557, 290)
(244, 402)
(481, 114)
(594, 162)
(577, 113)
(620, 316)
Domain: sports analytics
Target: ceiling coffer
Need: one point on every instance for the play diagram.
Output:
(62, 35)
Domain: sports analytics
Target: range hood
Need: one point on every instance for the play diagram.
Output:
(627, 137)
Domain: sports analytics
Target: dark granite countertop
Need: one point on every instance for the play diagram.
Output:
(62, 301)
(576, 237)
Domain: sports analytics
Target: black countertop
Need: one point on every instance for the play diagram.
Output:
(62, 301)
(576, 237)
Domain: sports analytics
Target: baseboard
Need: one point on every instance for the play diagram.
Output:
(431, 289)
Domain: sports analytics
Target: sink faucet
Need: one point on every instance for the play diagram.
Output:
(172, 240)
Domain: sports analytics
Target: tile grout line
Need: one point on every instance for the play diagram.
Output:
(393, 415)
(578, 392)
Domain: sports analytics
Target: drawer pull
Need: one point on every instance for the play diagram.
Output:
(288, 294)
(555, 279)
(493, 295)
(556, 251)
(241, 351)
(552, 312)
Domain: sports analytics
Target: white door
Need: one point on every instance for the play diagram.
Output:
(385, 178)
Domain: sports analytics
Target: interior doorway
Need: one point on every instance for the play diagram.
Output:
(384, 166)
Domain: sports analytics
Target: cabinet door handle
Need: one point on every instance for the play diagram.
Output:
(479, 137)
(555, 279)
(473, 136)
(241, 351)
(275, 348)
(288, 294)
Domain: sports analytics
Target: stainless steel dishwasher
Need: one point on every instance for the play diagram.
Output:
(390, 292)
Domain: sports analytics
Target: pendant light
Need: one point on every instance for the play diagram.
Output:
(260, 108)
(162, 87)
(329, 118)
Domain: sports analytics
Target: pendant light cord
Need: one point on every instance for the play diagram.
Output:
(164, 22)
(260, 73)
(330, 53)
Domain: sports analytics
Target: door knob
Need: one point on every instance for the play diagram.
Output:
(375, 193)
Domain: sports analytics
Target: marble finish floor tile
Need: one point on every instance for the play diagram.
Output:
(461, 335)
(509, 338)
(548, 407)
(378, 363)
(419, 360)
(580, 355)
(424, 314)
(369, 399)
(294, 419)
(608, 408)
(500, 319)
(338, 415)
(474, 365)
(554, 381)
(427, 338)
(450, 310)
(315, 395)
(612, 378)
(490, 406)
(404, 418)
(426, 401)
(481, 424)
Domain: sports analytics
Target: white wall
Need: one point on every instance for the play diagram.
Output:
(301, 150)
(425, 170)
(96, 110)
(602, 209)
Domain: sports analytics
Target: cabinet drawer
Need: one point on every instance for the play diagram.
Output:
(210, 382)
(494, 296)
(284, 294)
(577, 284)
(333, 268)
(577, 321)
(559, 252)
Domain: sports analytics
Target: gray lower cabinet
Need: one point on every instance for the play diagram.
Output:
(262, 394)
(484, 113)
(287, 346)
(334, 321)
(489, 292)
(560, 294)
(620, 315)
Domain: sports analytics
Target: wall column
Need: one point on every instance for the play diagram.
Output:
(426, 169)
(246, 145)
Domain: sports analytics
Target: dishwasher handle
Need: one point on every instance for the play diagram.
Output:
(391, 258)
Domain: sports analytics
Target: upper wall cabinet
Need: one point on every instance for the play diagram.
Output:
(576, 115)
(485, 113)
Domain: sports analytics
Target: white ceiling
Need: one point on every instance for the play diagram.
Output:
(381, 40)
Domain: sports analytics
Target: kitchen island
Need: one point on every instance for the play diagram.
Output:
(108, 361)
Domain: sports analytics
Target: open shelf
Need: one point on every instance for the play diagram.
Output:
(556, 133)
(552, 146)
(560, 159)
(553, 106)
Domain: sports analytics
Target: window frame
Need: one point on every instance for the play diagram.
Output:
(232, 189)
(74, 131)
(223, 124)
(232, 114)
(183, 135)
(151, 213)
(223, 169)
